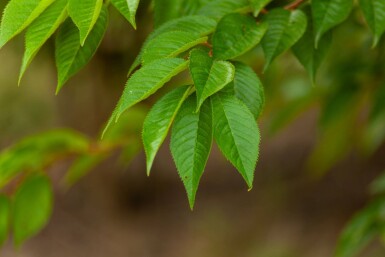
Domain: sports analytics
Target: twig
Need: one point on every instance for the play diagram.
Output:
(294, 5)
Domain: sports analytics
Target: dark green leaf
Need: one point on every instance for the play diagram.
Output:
(374, 12)
(235, 35)
(84, 14)
(216, 9)
(236, 133)
(148, 80)
(170, 44)
(310, 57)
(194, 24)
(248, 88)
(258, 5)
(209, 76)
(70, 55)
(285, 29)
(159, 120)
(191, 140)
(327, 14)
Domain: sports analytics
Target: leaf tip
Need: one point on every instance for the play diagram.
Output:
(265, 67)
(191, 203)
(133, 23)
(148, 167)
(58, 89)
(375, 41)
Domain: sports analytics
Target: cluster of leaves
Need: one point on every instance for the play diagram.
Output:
(80, 27)
(206, 42)
(27, 200)
(205, 38)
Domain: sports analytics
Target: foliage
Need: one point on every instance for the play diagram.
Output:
(226, 97)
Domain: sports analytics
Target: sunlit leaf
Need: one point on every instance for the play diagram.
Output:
(18, 14)
(41, 30)
(84, 14)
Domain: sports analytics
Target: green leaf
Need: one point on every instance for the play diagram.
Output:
(305, 51)
(209, 76)
(84, 14)
(159, 120)
(70, 56)
(191, 140)
(18, 14)
(128, 9)
(81, 167)
(235, 35)
(41, 30)
(32, 207)
(285, 29)
(374, 12)
(216, 9)
(148, 80)
(327, 14)
(35, 152)
(193, 24)
(166, 10)
(248, 88)
(360, 230)
(170, 44)
(378, 185)
(236, 133)
(258, 5)
(123, 131)
(5, 218)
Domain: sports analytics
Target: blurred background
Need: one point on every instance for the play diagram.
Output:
(322, 148)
